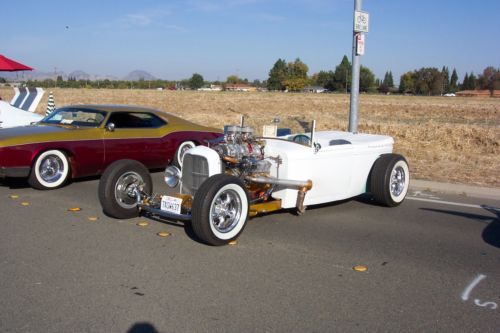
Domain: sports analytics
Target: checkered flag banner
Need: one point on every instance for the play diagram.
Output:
(51, 105)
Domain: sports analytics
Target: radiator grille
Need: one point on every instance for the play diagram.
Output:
(194, 173)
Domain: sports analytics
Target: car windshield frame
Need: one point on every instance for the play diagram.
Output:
(74, 116)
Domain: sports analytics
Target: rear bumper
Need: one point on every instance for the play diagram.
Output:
(14, 172)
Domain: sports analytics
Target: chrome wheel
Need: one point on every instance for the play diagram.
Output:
(226, 211)
(51, 169)
(398, 181)
(125, 188)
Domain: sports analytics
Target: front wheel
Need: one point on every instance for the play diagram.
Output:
(220, 210)
(118, 185)
(390, 179)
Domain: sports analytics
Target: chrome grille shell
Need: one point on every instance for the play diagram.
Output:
(194, 172)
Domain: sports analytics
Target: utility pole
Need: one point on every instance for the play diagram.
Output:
(359, 27)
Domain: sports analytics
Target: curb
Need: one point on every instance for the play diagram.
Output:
(458, 189)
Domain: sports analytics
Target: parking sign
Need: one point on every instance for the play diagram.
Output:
(361, 20)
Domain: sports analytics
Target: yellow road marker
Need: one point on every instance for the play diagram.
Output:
(93, 218)
(360, 268)
(25, 203)
(14, 196)
(233, 242)
(143, 224)
(163, 234)
(74, 209)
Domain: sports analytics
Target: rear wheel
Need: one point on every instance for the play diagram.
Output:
(118, 185)
(181, 150)
(220, 210)
(50, 170)
(390, 179)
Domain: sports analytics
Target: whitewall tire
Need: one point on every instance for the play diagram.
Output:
(220, 209)
(50, 170)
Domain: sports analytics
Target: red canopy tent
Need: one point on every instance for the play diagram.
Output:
(9, 65)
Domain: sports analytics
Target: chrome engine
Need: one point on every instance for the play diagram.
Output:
(241, 152)
(241, 155)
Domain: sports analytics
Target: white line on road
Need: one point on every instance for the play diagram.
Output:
(454, 203)
(465, 294)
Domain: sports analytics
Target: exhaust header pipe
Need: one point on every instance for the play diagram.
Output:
(306, 185)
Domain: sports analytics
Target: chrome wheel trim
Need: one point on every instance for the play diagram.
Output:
(51, 169)
(125, 187)
(398, 181)
(225, 212)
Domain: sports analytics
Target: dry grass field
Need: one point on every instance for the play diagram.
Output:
(454, 140)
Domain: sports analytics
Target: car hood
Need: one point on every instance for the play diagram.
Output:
(38, 133)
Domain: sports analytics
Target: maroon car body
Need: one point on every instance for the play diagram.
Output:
(112, 133)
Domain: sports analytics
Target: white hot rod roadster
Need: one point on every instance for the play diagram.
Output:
(222, 185)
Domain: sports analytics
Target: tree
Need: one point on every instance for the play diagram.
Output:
(297, 75)
(233, 79)
(343, 75)
(490, 79)
(196, 81)
(453, 81)
(428, 81)
(406, 83)
(465, 82)
(387, 83)
(470, 83)
(277, 75)
(324, 79)
(366, 79)
(388, 80)
(445, 73)
(257, 83)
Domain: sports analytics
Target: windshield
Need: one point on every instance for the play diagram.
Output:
(75, 117)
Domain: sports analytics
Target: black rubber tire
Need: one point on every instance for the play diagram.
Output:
(177, 161)
(108, 182)
(35, 179)
(380, 179)
(204, 198)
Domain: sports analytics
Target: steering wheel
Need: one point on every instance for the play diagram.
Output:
(302, 139)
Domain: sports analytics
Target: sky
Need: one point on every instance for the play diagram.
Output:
(174, 39)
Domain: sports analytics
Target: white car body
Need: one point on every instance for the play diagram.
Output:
(338, 171)
(338, 168)
(241, 176)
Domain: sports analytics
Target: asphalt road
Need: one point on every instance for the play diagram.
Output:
(432, 266)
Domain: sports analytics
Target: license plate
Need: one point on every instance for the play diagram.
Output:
(171, 204)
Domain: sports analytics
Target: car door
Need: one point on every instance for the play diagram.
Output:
(335, 165)
(134, 135)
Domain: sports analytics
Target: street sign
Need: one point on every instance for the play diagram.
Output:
(360, 44)
(361, 20)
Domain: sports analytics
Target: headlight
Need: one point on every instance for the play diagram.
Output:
(172, 176)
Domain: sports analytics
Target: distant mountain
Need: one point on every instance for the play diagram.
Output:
(138, 75)
(79, 75)
(31, 75)
(36, 75)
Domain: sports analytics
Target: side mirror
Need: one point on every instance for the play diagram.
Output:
(110, 127)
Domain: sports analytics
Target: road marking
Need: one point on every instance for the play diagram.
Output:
(488, 305)
(451, 203)
(472, 285)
